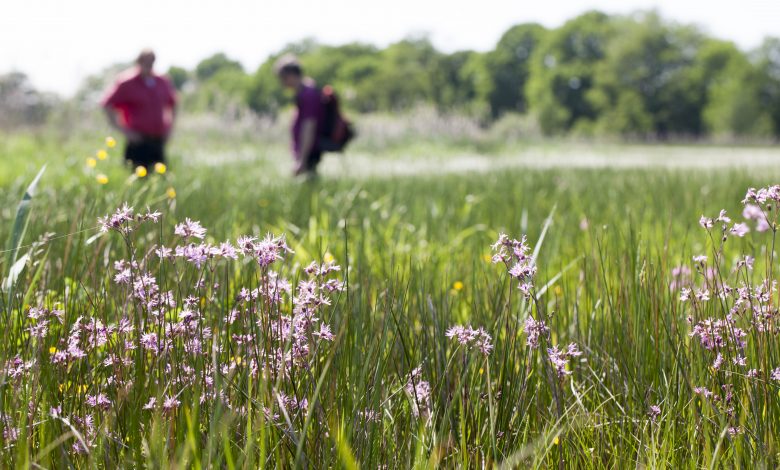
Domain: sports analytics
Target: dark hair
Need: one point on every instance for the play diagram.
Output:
(288, 64)
(144, 54)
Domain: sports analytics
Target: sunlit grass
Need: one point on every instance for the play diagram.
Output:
(415, 253)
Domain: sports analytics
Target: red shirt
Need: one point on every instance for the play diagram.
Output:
(144, 105)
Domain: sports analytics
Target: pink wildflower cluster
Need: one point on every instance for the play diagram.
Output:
(17, 368)
(125, 220)
(419, 392)
(759, 204)
(560, 358)
(730, 309)
(183, 336)
(519, 263)
(654, 412)
(266, 251)
(681, 278)
(737, 229)
(514, 254)
(724, 402)
(469, 337)
(534, 331)
(10, 432)
(719, 334)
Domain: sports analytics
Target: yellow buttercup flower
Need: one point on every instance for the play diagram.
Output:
(110, 142)
(101, 179)
(52, 350)
(171, 193)
(91, 162)
(556, 441)
(140, 171)
(457, 285)
(487, 258)
(102, 154)
(328, 258)
(160, 168)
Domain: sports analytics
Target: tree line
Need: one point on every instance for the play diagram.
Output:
(638, 76)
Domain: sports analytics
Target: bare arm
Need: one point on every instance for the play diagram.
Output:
(113, 121)
(308, 138)
(173, 122)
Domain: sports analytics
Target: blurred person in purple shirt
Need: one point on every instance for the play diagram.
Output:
(309, 117)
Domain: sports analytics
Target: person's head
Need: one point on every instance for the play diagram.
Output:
(145, 61)
(289, 71)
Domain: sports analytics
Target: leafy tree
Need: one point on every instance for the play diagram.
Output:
(264, 93)
(179, 76)
(508, 65)
(346, 67)
(210, 66)
(767, 59)
(452, 86)
(733, 87)
(644, 85)
(563, 69)
(476, 74)
(402, 78)
(325, 63)
(735, 107)
(637, 75)
(355, 82)
(224, 91)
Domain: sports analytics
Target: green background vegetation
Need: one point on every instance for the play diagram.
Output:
(408, 240)
(637, 76)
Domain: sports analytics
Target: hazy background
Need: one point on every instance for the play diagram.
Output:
(58, 43)
(476, 73)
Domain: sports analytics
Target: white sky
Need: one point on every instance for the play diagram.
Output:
(59, 42)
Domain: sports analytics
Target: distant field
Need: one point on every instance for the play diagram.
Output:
(411, 224)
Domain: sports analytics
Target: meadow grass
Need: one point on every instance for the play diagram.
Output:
(234, 388)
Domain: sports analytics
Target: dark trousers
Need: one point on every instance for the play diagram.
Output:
(146, 152)
(313, 159)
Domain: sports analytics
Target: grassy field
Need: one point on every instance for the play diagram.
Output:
(197, 359)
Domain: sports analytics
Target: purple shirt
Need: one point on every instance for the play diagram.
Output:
(309, 104)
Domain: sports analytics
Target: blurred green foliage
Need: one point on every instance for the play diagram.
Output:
(638, 76)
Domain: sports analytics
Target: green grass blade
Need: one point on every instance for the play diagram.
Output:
(22, 218)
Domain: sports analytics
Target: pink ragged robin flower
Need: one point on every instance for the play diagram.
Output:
(190, 229)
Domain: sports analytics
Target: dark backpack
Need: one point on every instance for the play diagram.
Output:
(336, 131)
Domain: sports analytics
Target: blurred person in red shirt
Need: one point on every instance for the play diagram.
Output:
(142, 106)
